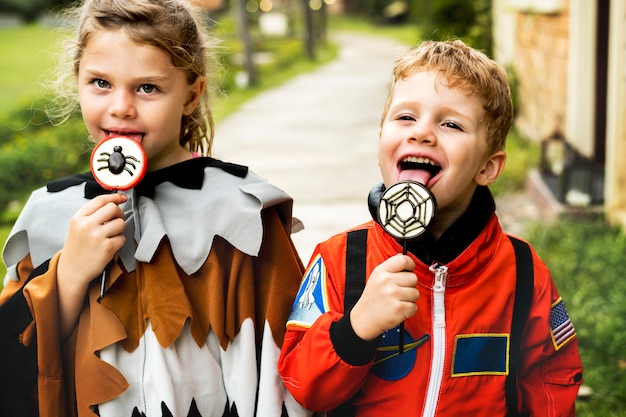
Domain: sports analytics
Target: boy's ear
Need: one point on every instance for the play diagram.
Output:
(491, 169)
(193, 98)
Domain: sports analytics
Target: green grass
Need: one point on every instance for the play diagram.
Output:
(405, 34)
(586, 258)
(27, 55)
(522, 154)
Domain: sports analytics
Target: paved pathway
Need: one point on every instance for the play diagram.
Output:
(316, 137)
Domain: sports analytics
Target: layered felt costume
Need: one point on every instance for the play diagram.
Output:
(194, 305)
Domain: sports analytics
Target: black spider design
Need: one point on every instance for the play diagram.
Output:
(117, 162)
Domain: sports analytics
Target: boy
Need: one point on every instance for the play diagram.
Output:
(431, 334)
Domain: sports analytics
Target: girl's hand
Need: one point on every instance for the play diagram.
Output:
(94, 236)
(389, 298)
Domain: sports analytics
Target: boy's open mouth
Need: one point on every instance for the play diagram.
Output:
(418, 169)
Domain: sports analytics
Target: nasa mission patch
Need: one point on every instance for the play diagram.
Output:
(312, 299)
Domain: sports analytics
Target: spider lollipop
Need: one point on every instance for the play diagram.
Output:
(405, 211)
(118, 163)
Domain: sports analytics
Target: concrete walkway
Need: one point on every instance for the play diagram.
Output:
(316, 137)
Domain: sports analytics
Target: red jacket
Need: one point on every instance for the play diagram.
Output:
(456, 358)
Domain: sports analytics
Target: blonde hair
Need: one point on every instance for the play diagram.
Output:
(461, 67)
(170, 25)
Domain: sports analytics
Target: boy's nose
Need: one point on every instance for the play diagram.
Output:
(122, 105)
(424, 132)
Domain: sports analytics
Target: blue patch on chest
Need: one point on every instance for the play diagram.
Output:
(482, 354)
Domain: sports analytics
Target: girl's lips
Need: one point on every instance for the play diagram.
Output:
(136, 136)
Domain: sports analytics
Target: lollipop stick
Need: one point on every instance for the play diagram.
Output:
(103, 282)
(104, 273)
(401, 335)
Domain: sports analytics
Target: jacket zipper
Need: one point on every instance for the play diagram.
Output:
(439, 338)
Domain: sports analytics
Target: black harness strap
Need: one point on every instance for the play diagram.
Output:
(356, 251)
(523, 297)
(356, 259)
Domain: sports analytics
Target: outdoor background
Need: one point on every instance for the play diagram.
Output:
(585, 254)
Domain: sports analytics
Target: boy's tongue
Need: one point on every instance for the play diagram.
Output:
(419, 175)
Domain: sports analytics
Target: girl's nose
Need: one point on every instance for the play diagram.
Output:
(122, 105)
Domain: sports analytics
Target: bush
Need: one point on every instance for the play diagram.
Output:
(586, 257)
(447, 19)
(522, 153)
(33, 152)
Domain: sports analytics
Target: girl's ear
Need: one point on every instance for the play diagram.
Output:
(491, 169)
(194, 95)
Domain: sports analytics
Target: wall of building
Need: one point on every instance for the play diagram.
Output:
(615, 184)
(540, 63)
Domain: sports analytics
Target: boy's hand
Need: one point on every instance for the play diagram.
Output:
(389, 298)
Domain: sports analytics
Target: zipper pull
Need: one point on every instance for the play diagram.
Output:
(441, 273)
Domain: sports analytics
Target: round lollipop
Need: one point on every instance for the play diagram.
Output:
(405, 211)
(118, 163)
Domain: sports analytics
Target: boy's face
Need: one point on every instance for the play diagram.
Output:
(131, 89)
(434, 135)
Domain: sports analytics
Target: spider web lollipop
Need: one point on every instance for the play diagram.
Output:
(405, 211)
(118, 163)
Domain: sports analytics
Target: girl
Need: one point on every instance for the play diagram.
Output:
(200, 269)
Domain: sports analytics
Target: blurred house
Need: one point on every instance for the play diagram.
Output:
(569, 60)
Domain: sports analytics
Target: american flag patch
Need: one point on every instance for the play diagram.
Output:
(561, 328)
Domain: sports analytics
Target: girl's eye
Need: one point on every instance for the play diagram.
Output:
(406, 117)
(148, 89)
(100, 83)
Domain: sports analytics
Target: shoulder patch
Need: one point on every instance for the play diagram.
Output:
(561, 328)
(312, 299)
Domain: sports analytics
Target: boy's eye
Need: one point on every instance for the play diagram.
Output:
(148, 88)
(452, 125)
(406, 117)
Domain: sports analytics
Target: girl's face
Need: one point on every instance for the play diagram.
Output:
(133, 89)
(433, 134)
